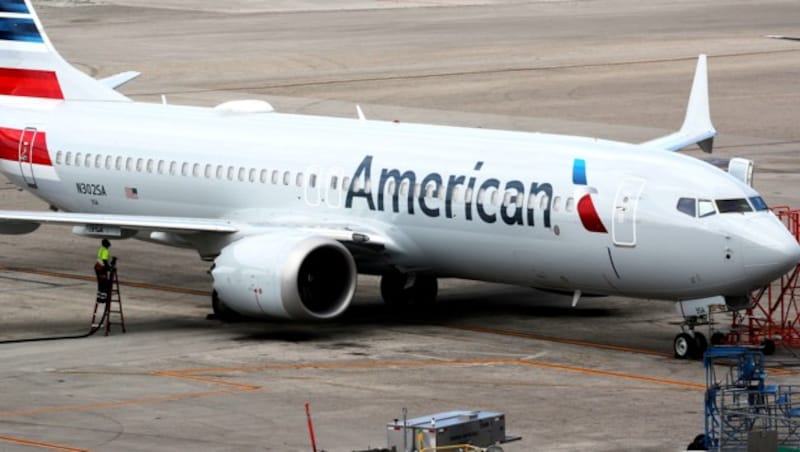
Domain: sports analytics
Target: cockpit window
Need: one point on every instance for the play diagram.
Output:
(738, 205)
(688, 206)
(758, 203)
(705, 208)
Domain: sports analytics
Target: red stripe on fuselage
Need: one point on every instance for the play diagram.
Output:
(10, 146)
(30, 83)
(588, 214)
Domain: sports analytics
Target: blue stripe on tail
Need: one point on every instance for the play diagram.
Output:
(13, 6)
(16, 29)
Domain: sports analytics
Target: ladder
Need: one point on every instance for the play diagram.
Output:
(107, 308)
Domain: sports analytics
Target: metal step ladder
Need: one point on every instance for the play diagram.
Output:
(107, 309)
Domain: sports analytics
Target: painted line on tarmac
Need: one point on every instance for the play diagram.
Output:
(389, 364)
(560, 340)
(195, 375)
(39, 444)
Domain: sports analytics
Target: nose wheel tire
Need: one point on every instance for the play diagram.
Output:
(701, 342)
(684, 346)
(403, 289)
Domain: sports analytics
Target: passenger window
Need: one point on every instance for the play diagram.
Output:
(346, 183)
(196, 170)
(507, 199)
(78, 157)
(160, 167)
(758, 203)
(252, 174)
(687, 206)
(118, 163)
(220, 172)
(739, 205)
(429, 190)
(129, 164)
(417, 190)
(334, 182)
(108, 162)
(149, 165)
(404, 188)
(494, 197)
(390, 188)
(468, 195)
(556, 203)
(139, 165)
(456, 194)
(263, 176)
(481, 195)
(230, 173)
(312, 181)
(287, 177)
(440, 192)
(298, 180)
(88, 162)
(242, 174)
(705, 208)
(68, 158)
(570, 206)
(543, 204)
(59, 154)
(275, 176)
(185, 169)
(173, 168)
(209, 171)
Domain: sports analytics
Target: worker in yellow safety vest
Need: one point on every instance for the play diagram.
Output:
(101, 269)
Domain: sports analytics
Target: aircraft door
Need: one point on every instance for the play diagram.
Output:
(26, 150)
(623, 223)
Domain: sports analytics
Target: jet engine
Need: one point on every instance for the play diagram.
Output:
(287, 274)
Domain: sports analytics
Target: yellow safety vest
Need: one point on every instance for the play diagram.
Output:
(102, 255)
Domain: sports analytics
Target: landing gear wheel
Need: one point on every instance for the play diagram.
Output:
(222, 312)
(701, 343)
(718, 338)
(684, 346)
(699, 443)
(768, 347)
(402, 289)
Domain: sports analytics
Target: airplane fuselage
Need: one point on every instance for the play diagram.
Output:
(530, 209)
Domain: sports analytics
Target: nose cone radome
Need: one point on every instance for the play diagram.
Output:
(770, 252)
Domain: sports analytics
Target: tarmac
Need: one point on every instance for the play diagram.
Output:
(600, 376)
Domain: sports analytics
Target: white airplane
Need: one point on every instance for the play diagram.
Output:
(291, 208)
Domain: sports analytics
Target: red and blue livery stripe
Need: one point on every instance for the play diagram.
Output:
(586, 211)
(10, 146)
(14, 6)
(30, 83)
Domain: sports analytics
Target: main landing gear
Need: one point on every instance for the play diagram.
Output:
(400, 290)
(689, 344)
(221, 311)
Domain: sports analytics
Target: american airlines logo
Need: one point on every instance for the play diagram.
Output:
(586, 211)
(435, 195)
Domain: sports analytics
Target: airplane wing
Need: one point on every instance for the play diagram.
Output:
(697, 127)
(23, 222)
(16, 222)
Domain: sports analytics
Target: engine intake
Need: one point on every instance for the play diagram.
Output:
(287, 274)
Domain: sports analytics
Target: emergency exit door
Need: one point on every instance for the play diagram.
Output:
(26, 154)
(623, 225)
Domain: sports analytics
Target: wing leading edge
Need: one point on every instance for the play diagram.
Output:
(697, 127)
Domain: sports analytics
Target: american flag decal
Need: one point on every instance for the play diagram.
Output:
(131, 193)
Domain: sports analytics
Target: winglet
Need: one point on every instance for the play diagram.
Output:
(697, 127)
(117, 80)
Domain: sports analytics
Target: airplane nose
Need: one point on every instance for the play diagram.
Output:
(770, 251)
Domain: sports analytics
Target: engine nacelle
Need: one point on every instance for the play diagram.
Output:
(288, 274)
